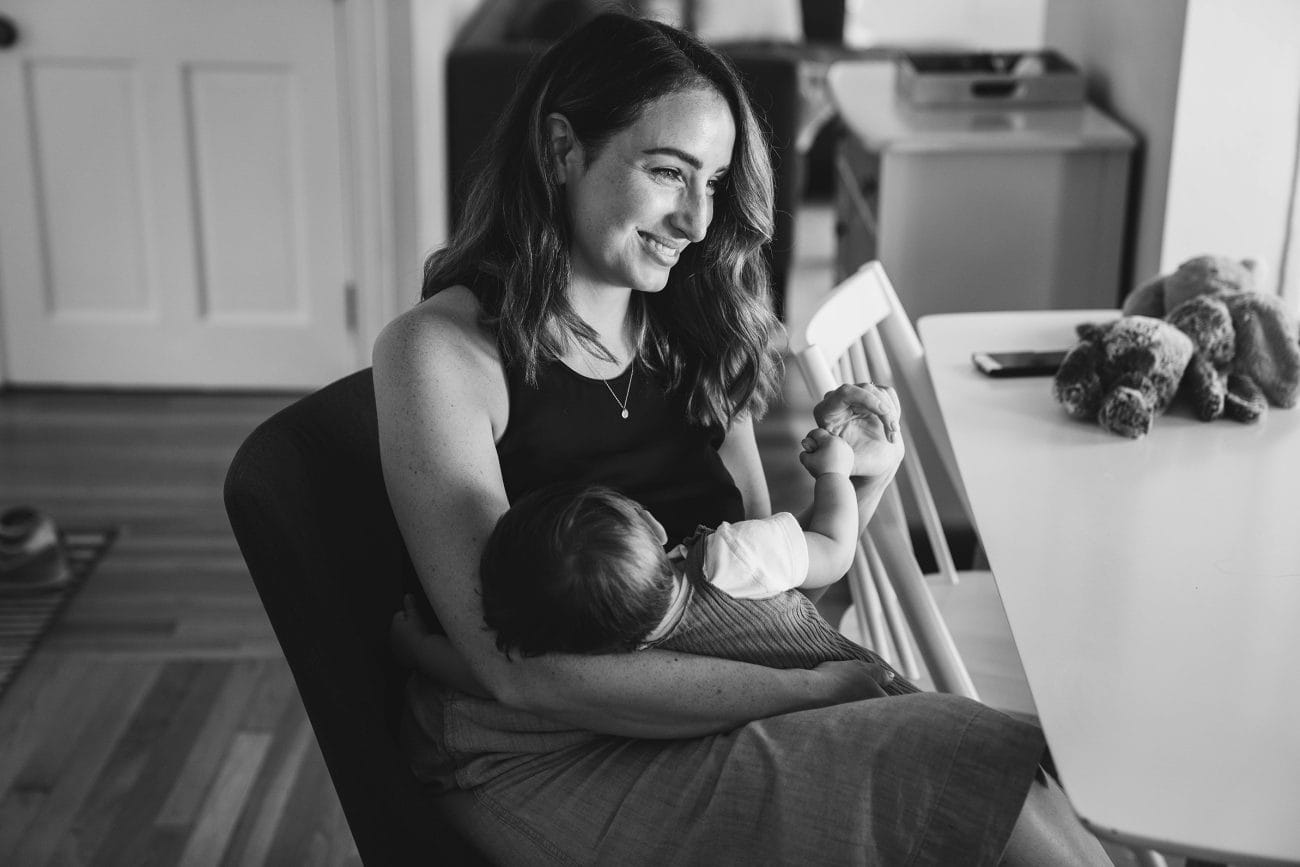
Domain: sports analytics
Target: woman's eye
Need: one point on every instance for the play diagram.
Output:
(667, 173)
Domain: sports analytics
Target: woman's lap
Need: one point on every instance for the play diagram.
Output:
(918, 779)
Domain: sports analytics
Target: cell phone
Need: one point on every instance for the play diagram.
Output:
(1044, 363)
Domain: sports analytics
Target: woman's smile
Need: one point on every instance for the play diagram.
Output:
(662, 251)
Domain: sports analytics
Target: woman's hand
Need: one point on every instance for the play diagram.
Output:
(853, 680)
(866, 416)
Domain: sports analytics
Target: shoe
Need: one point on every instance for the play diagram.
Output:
(31, 556)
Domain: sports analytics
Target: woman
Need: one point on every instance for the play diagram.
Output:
(601, 317)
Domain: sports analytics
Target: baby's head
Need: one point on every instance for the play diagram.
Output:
(575, 569)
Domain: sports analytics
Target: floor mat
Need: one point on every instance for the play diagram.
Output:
(25, 617)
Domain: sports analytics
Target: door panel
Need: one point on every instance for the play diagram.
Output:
(173, 194)
(90, 212)
(249, 232)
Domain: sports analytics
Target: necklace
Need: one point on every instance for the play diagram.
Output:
(622, 404)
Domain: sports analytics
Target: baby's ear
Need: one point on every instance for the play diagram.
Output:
(653, 523)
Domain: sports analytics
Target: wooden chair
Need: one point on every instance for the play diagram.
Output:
(860, 332)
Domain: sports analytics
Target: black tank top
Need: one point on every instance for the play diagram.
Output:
(569, 428)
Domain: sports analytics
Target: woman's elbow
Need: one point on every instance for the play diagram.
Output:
(511, 683)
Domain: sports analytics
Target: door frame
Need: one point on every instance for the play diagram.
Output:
(397, 147)
(364, 52)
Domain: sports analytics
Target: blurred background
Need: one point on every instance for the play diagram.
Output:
(209, 208)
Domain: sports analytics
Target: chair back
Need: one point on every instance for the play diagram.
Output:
(851, 337)
(306, 500)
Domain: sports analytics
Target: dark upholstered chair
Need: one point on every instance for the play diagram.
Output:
(307, 502)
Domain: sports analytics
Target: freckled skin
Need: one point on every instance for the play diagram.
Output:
(627, 199)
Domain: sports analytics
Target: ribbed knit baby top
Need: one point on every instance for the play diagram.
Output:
(781, 631)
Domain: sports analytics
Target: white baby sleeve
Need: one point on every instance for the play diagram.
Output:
(757, 558)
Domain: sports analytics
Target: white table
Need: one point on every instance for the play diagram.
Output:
(1153, 590)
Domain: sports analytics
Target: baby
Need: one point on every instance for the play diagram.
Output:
(581, 569)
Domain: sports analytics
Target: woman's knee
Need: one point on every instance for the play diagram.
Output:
(1048, 833)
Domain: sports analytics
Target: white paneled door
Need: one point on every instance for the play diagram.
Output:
(171, 194)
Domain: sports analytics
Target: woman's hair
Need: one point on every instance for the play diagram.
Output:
(711, 331)
(574, 569)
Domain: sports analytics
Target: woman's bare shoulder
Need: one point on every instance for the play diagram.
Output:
(438, 348)
(440, 333)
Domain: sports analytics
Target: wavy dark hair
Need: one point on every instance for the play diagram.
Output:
(711, 331)
(573, 568)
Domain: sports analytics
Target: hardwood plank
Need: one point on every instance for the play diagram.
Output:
(38, 776)
(304, 834)
(293, 746)
(201, 765)
(39, 693)
(127, 685)
(110, 794)
(136, 837)
(226, 800)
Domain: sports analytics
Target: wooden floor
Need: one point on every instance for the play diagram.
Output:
(157, 723)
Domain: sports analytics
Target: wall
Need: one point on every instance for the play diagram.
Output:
(1132, 54)
(421, 33)
(986, 24)
(1290, 269)
(1235, 143)
(1213, 89)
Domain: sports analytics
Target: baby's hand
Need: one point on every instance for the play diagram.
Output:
(867, 417)
(823, 453)
(406, 632)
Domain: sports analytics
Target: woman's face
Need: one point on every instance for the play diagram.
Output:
(649, 191)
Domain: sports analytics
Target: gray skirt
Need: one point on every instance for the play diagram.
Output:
(916, 779)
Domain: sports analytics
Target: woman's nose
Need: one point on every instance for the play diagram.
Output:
(694, 211)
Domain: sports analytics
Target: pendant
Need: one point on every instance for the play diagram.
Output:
(624, 413)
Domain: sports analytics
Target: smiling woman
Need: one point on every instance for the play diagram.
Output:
(551, 208)
(642, 197)
(601, 317)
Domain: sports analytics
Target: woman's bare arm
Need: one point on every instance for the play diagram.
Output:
(740, 455)
(442, 405)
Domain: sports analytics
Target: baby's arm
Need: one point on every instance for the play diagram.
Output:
(831, 525)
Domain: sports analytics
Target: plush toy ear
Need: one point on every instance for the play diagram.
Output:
(1207, 275)
(1077, 384)
(1147, 299)
(1266, 349)
(1093, 330)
